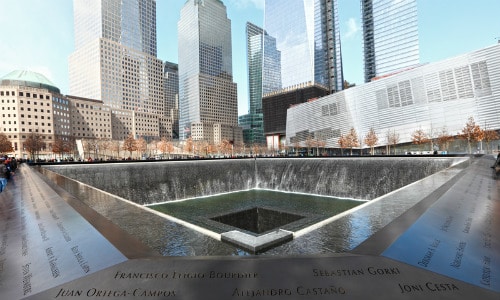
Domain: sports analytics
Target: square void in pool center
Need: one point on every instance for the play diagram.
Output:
(258, 219)
(256, 211)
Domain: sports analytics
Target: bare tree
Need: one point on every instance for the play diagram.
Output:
(371, 139)
(61, 146)
(444, 139)
(130, 144)
(296, 147)
(352, 139)
(343, 143)
(33, 144)
(256, 149)
(239, 147)
(104, 145)
(321, 144)
(5, 144)
(419, 137)
(141, 145)
(153, 147)
(392, 140)
(189, 145)
(310, 143)
(471, 133)
(92, 147)
(165, 146)
(70, 145)
(115, 147)
(224, 147)
(489, 136)
(209, 149)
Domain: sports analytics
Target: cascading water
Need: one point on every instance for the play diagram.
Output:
(358, 178)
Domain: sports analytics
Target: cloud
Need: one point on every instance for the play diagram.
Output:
(352, 27)
(242, 4)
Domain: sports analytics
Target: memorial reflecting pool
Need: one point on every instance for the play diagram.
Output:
(301, 190)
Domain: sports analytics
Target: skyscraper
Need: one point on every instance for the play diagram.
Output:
(207, 94)
(171, 92)
(308, 36)
(390, 34)
(259, 82)
(115, 54)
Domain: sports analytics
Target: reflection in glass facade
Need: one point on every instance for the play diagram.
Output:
(271, 66)
(308, 37)
(433, 97)
(259, 82)
(207, 94)
(130, 23)
(171, 92)
(115, 54)
(390, 34)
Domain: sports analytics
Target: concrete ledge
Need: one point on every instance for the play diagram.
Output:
(257, 244)
(45, 242)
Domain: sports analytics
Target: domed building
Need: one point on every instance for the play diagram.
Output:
(40, 122)
(33, 113)
(28, 79)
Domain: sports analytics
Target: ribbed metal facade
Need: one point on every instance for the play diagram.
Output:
(433, 97)
(275, 106)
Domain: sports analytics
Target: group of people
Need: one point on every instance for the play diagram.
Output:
(7, 167)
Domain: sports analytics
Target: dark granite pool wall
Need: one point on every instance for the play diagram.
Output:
(152, 182)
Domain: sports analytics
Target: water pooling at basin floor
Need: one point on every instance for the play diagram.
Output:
(256, 220)
(256, 211)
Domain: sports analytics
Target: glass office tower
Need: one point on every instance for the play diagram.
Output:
(264, 65)
(308, 37)
(130, 23)
(115, 54)
(390, 34)
(171, 93)
(207, 94)
(259, 82)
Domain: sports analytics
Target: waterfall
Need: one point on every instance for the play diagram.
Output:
(154, 182)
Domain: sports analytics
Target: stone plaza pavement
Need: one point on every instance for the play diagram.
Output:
(445, 247)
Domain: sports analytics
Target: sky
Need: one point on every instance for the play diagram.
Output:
(37, 35)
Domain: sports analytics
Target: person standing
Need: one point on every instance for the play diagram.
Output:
(3, 175)
(497, 162)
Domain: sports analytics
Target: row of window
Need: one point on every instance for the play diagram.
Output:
(29, 130)
(22, 116)
(21, 94)
(34, 103)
